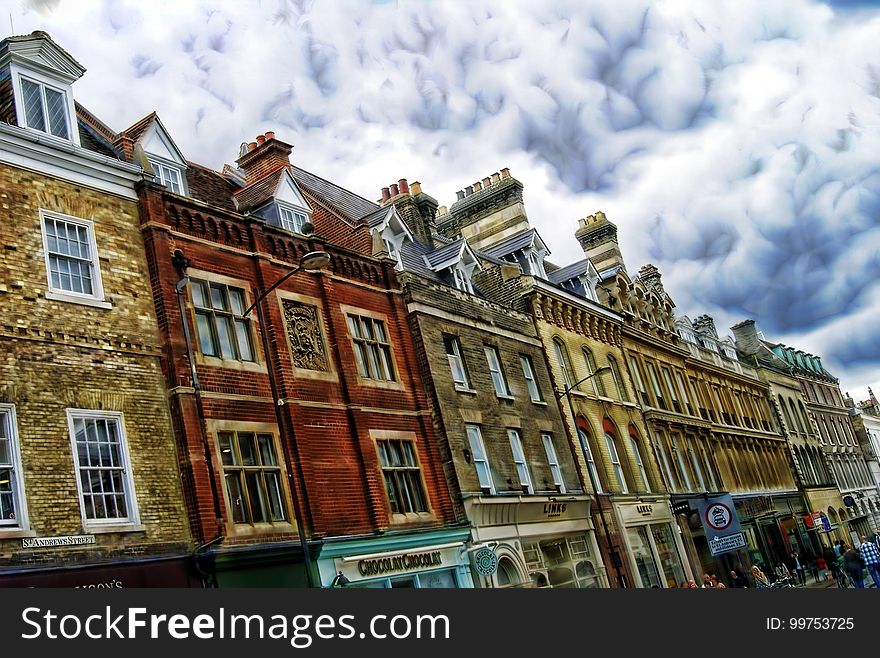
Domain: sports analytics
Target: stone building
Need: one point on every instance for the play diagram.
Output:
(866, 422)
(90, 490)
(505, 447)
(582, 344)
(310, 455)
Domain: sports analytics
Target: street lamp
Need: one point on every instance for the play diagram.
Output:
(310, 262)
(567, 394)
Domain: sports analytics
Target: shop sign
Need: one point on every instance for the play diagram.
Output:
(754, 507)
(398, 563)
(157, 573)
(485, 561)
(554, 510)
(681, 507)
(727, 543)
(54, 542)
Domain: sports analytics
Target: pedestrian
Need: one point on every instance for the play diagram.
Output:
(707, 582)
(782, 571)
(691, 584)
(738, 578)
(822, 566)
(717, 584)
(798, 568)
(761, 579)
(871, 556)
(853, 566)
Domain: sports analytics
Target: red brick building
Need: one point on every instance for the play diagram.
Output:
(343, 447)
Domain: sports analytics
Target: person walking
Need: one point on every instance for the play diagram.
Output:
(871, 555)
(761, 579)
(798, 568)
(853, 566)
(738, 578)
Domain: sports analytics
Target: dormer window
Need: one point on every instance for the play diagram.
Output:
(45, 108)
(462, 279)
(292, 219)
(536, 264)
(168, 176)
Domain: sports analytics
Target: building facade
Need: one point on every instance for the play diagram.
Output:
(90, 491)
(866, 423)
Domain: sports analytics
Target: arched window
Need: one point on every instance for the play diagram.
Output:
(564, 363)
(588, 449)
(664, 458)
(797, 418)
(507, 574)
(614, 456)
(598, 384)
(679, 458)
(618, 381)
(695, 462)
(642, 474)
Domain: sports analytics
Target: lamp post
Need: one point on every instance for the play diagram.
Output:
(567, 394)
(310, 262)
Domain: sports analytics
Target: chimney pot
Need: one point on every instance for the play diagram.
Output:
(469, 190)
(486, 182)
(460, 195)
(442, 210)
(404, 188)
(394, 189)
(270, 135)
(261, 139)
(496, 177)
(415, 188)
(252, 146)
(386, 194)
(477, 186)
(505, 173)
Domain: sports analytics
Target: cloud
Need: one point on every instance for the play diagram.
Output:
(734, 144)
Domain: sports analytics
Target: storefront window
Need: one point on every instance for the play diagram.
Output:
(562, 562)
(668, 554)
(641, 550)
(444, 579)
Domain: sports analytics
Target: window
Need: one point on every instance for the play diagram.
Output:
(536, 266)
(519, 458)
(168, 176)
(598, 384)
(292, 220)
(664, 458)
(618, 381)
(640, 384)
(584, 438)
(495, 368)
(456, 362)
(667, 378)
(102, 467)
(553, 461)
(529, 374)
(252, 476)
(655, 385)
(695, 462)
(462, 279)
(564, 363)
(393, 250)
(372, 351)
(223, 331)
(682, 467)
(45, 108)
(481, 461)
(403, 478)
(684, 393)
(71, 256)
(616, 466)
(12, 509)
(640, 464)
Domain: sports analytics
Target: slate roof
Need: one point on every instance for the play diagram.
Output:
(259, 191)
(91, 140)
(337, 197)
(563, 274)
(209, 186)
(439, 256)
(512, 244)
(606, 274)
(137, 130)
(374, 218)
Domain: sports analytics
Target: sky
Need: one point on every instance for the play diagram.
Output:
(736, 144)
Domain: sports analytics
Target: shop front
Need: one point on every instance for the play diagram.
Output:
(539, 542)
(653, 545)
(436, 559)
(162, 572)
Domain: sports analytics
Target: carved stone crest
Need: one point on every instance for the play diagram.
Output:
(307, 349)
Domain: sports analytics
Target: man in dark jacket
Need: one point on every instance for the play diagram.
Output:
(854, 565)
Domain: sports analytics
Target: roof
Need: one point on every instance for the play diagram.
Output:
(259, 191)
(91, 140)
(608, 273)
(439, 256)
(209, 186)
(513, 243)
(339, 198)
(376, 217)
(137, 130)
(568, 272)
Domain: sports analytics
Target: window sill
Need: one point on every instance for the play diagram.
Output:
(465, 389)
(16, 533)
(230, 364)
(539, 403)
(121, 527)
(75, 299)
(506, 398)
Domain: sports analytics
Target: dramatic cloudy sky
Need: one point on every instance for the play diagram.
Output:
(736, 144)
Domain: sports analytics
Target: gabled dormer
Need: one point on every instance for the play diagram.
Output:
(581, 278)
(456, 262)
(277, 199)
(36, 80)
(388, 224)
(165, 160)
(527, 249)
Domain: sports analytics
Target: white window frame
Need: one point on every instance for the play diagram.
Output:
(588, 455)
(553, 461)
(162, 170)
(456, 361)
(133, 516)
(19, 503)
(294, 225)
(44, 81)
(519, 460)
(493, 358)
(479, 457)
(640, 464)
(564, 363)
(616, 466)
(529, 375)
(462, 279)
(59, 294)
(679, 457)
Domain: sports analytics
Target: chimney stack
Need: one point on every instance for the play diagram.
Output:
(386, 194)
(598, 238)
(745, 335)
(505, 173)
(460, 195)
(478, 186)
(415, 188)
(468, 190)
(404, 188)
(264, 156)
(496, 178)
(705, 324)
(486, 182)
(394, 190)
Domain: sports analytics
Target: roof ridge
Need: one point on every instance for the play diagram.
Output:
(344, 189)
